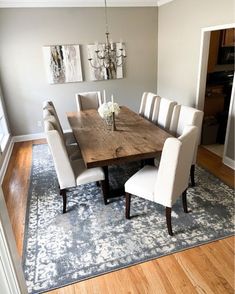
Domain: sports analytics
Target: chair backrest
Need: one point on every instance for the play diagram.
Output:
(183, 116)
(49, 105)
(147, 104)
(49, 115)
(88, 100)
(174, 168)
(156, 108)
(60, 157)
(165, 113)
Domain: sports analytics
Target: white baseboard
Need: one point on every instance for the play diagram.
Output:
(229, 162)
(6, 160)
(13, 140)
(30, 137)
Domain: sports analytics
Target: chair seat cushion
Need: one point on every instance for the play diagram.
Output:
(142, 183)
(85, 175)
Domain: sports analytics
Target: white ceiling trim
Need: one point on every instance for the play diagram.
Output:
(80, 3)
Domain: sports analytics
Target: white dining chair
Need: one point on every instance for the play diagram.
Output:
(182, 116)
(162, 113)
(73, 150)
(88, 100)
(165, 184)
(147, 104)
(70, 173)
(68, 136)
(156, 107)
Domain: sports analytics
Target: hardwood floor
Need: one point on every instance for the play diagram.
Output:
(204, 269)
(213, 163)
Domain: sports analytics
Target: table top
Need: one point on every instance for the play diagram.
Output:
(135, 138)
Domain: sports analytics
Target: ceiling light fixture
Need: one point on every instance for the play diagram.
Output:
(109, 55)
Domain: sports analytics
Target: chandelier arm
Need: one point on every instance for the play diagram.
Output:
(99, 55)
(96, 66)
(121, 55)
(119, 64)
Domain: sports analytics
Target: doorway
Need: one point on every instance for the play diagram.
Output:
(215, 82)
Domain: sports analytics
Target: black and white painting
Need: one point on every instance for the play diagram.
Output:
(63, 63)
(100, 73)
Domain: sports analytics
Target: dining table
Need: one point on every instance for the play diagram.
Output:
(135, 139)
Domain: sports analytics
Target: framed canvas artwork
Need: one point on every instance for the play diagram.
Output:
(98, 73)
(63, 63)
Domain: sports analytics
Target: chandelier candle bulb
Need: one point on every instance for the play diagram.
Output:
(112, 99)
(111, 44)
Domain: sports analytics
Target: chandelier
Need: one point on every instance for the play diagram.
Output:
(107, 56)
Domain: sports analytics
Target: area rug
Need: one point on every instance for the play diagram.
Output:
(93, 239)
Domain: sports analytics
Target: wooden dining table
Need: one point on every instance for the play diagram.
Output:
(134, 139)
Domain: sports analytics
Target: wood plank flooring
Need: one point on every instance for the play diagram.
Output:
(204, 269)
(213, 163)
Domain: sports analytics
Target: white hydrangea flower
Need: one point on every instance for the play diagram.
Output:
(106, 109)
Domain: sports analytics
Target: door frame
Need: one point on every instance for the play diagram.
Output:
(201, 81)
(226, 160)
(11, 273)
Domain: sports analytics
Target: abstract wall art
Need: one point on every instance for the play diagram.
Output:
(63, 63)
(98, 73)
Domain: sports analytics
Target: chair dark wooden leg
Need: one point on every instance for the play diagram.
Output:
(168, 220)
(192, 176)
(105, 191)
(184, 200)
(105, 185)
(128, 205)
(63, 194)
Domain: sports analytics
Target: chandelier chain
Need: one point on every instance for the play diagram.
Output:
(106, 17)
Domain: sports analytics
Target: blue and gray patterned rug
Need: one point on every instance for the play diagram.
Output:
(92, 239)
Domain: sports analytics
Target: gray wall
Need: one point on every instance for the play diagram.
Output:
(179, 37)
(23, 32)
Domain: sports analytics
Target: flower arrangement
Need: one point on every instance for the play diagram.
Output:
(107, 109)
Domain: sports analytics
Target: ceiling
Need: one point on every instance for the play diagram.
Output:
(81, 3)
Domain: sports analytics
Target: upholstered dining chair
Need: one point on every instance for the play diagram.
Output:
(88, 100)
(165, 184)
(162, 113)
(182, 116)
(73, 150)
(70, 173)
(147, 104)
(68, 136)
